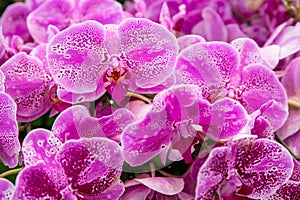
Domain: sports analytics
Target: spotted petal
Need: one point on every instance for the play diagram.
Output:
(228, 118)
(6, 189)
(188, 40)
(289, 190)
(76, 122)
(27, 82)
(248, 51)
(9, 146)
(40, 145)
(93, 167)
(261, 87)
(143, 140)
(54, 12)
(208, 65)
(38, 182)
(150, 52)
(77, 57)
(213, 171)
(263, 166)
(2, 78)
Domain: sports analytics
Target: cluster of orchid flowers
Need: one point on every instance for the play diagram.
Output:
(134, 88)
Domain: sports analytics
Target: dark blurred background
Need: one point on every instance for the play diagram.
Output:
(5, 3)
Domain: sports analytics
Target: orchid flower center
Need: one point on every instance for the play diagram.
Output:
(184, 127)
(116, 71)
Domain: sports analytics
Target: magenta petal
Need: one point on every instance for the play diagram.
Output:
(40, 144)
(270, 55)
(110, 11)
(114, 192)
(2, 81)
(38, 182)
(13, 21)
(187, 73)
(112, 39)
(212, 28)
(150, 51)
(119, 91)
(6, 189)
(33, 4)
(138, 192)
(215, 62)
(261, 85)
(274, 113)
(169, 82)
(234, 32)
(52, 31)
(93, 167)
(213, 171)
(76, 57)
(248, 51)
(74, 122)
(188, 40)
(290, 79)
(113, 125)
(262, 128)
(9, 145)
(263, 165)
(75, 98)
(165, 17)
(288, 40)
(54, 12)
(163, 185)
(293, 142)
(228, 119)
(296, 171)
(27, 82)
(143, 140)
(290, 190)
(40, 52)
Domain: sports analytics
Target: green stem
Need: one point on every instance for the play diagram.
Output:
(10, 172)
(166, 174)
(139, 96)
(294, 103)
(153, 169)
(284, 144)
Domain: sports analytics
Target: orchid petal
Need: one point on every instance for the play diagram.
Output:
(54, 12)
(259, 79)
(76, 57)
(9, 146)
(76, 122)
(38, 182)
(13, 21)
(213, 171)
(6, 189)
(111, 11)
(40, 145)
(212, 28)
(289, 190)
(150, 51)
(163, 185)
(27, 83)
(263, 166)
(92, 162)
(188, 40)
